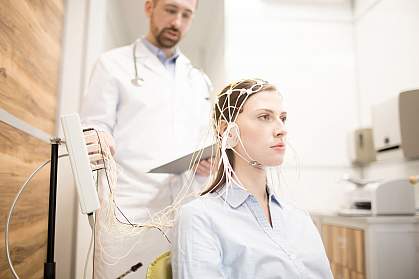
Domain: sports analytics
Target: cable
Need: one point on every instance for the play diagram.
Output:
(12, 207)
(117, 207)
(109, 184)
(133, 268)
(92, 225)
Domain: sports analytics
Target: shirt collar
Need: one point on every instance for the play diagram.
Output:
(235, 195)
(159, 53)
(273, 197)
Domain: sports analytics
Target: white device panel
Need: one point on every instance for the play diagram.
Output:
(386, 124)
(80, 163)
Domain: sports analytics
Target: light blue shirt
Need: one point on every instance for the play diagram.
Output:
(227, 235)
(168, 63)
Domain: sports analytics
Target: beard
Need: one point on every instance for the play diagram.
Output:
(168, 37)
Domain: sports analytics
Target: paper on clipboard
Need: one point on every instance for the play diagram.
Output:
(182, 164)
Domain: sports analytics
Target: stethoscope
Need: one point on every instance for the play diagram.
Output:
(139, 81)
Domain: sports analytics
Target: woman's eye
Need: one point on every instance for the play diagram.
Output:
(264, 117)
(284, 118)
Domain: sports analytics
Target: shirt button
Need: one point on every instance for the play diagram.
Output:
(293, 257)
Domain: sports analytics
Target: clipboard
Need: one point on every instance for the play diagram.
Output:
(181, 164)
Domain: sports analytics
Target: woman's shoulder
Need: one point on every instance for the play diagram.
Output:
(200, 204)
(206, 205)
(297, 215)
(293, 209)
(199, 211)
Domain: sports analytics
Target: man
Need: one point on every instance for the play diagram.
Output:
(149, 112)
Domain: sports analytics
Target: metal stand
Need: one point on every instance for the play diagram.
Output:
(49, 265)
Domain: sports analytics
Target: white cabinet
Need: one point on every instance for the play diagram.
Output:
(371, 247)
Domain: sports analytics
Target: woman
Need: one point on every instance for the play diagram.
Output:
(239, 227)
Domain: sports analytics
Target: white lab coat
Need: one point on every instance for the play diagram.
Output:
(164, 118)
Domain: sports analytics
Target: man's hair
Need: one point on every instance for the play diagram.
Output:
(155, 3)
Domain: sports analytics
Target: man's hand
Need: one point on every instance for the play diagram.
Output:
(96, 144)
(109, 141)
(204, 167)
(105, 139)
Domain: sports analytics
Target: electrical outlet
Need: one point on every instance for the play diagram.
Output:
(80, 163)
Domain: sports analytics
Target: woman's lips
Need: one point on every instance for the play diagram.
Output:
(278, 147)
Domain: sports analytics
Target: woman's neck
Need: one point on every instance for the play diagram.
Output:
(252, 178)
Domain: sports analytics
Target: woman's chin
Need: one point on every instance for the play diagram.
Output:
(276, 162)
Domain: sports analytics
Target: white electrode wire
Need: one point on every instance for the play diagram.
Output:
(159, 221)
(91, 218)
(296, 159)
(9, 216)
(165, 218)
(283, 175)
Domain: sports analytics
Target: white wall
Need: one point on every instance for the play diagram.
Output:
(115, 31)
(104, 28)
(307, 50)
(204, 43)
(387, 44)
(214, 58)
(71, 85)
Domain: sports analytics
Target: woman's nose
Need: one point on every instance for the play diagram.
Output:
(280, 129)
(280, 133)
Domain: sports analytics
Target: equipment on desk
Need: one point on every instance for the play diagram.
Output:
(361, 147)
(395, 124)
(392, 197)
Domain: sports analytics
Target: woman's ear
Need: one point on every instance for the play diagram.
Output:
(233, 135)
(221, 127)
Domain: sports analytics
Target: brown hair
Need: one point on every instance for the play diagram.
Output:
(196, 4)
(226, 109)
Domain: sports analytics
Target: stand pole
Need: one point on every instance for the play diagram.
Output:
(49, 265)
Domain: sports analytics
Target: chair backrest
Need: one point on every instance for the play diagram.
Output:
(160, 268)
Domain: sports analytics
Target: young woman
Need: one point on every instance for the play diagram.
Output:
(239, 227)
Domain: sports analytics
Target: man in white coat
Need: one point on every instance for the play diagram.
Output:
(162, 114)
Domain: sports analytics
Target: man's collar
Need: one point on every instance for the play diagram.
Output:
(158, 52)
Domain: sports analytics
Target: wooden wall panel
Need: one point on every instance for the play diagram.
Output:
(30, 51)
(20, 155)
(30, 48)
